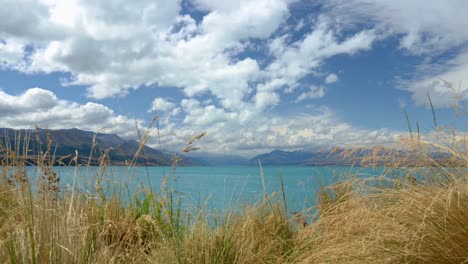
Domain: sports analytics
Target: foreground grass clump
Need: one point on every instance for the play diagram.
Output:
(420, 216)
(412, 224)
(46, 228)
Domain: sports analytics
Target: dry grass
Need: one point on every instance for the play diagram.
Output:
(419, 217)
(409, 224)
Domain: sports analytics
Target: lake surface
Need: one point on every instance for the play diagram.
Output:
(211, 187)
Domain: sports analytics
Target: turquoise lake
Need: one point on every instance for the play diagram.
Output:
(212, 187)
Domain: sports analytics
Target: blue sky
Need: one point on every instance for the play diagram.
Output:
(256, 75)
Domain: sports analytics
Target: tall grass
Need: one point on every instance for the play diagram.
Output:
(420, 216)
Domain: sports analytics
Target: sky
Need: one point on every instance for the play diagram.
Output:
(255, 75)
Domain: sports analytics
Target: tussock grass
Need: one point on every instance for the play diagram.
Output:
(407, 224)
(420, 216)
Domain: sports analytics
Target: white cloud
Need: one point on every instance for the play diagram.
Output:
(299, 25)
(115, 47)
(245, 132)
(34, 99)
(244, 19)
(331, 78)
(41, 107)
(11, 54)
(313, 93)
(161, 104)
(426, 28)
(294, 61)
(249, 132)
(26, 20)
(445, 83)
(119, 46)
(264, 100)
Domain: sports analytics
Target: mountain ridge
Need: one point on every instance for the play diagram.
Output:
(64, 143)
(301, 158)
(119, 151)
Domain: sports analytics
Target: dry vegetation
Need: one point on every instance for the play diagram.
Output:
(420, 216)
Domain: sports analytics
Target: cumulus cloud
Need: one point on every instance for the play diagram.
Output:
(248, 132)
(27, 19)
(424, 28)
(161, 104)
(445, 83)
(331, 78)
(427, 26)
(116, 47)
(313, 93)
(266, 99)
(34, 99)
(11, 54)
(294, 61)
(41, 107)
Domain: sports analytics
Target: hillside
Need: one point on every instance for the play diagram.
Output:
(65, 142)
(359, 156)
(300, 158)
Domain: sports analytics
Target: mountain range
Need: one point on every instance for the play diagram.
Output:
(64, 143)
(302, 158)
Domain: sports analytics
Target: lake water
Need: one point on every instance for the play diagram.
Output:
(212, 187)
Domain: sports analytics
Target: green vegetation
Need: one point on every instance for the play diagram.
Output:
(420, 217)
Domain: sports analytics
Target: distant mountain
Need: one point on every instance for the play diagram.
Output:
(301, 158)
(330, 157)
(64, 143)
(219, 160)
(342, 157)
(281, 157)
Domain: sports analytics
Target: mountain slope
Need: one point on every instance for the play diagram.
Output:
(64, 143)
(219, 160)
(281, 157)
(359, 156)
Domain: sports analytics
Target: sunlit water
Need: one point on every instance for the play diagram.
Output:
(211, 187)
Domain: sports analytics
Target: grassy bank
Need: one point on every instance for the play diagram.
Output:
(420, 217)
